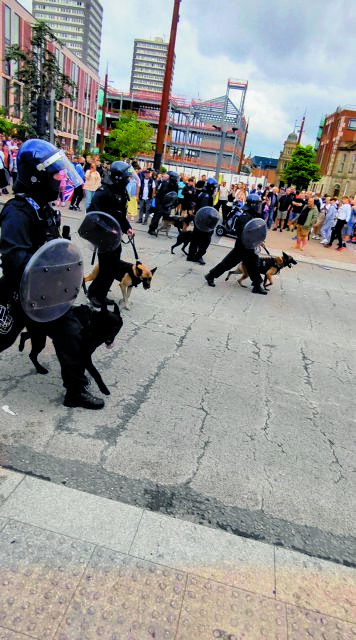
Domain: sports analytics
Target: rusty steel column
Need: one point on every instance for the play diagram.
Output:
(166, 88)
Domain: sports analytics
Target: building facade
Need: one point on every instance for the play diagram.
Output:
(284, 157)
(148, 65)
(78, 23)
(77, 116)
(193, 141)
(336, 153)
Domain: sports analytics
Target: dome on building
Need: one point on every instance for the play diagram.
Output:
(292, 137)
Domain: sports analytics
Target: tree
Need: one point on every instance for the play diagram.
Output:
(129, 137)
(39, 73)
(6, 127)
(302, 168)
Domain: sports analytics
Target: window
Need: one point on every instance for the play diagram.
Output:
(7, 38)
(16, 100)
(352, 123)
(342, 163)
(5, 93)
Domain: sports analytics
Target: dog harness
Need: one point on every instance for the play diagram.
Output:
(267, 263)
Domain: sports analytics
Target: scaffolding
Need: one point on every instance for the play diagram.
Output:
(204, 134)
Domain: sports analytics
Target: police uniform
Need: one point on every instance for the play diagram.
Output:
(166, 186)
(239, 254)
(25, 226)
(200, 239)
(108, 201)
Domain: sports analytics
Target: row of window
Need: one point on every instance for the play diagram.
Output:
(48, 16)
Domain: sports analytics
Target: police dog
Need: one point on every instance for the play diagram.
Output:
(184, 238)
(129, 275)
(168, 223)
(269, 266)
(94, 328)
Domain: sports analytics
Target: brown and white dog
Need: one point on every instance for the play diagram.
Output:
(128, 275)
(269, 266)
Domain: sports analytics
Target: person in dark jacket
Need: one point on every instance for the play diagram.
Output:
(110, 198)
(201, 239)
(28, 222)
(168, 184)
(239, 253)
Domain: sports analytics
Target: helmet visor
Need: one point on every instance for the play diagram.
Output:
(60, 169)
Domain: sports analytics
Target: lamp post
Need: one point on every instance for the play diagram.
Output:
(166, 88)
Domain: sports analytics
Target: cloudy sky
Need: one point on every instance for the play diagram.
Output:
(297, 56)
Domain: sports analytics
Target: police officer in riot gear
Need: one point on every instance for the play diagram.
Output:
(27, 222)
(166, 186)
(201, 239)
(240, 253)
(111, 198)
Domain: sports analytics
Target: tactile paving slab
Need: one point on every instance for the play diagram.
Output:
(316, 585)
(304, 624)
(212, 610)
(124, 598)
(39, 572)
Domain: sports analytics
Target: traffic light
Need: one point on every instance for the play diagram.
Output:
(41, 117)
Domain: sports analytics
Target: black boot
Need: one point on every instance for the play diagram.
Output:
(98, 302)
(258, 289)
(83, 399)
(209, 280)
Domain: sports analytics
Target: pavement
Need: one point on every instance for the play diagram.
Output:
(79, 567)
(214, 496)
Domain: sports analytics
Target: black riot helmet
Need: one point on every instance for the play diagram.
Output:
(210, 186)
(40, 169)
(253, 205)
(173, 177)
(119, 175)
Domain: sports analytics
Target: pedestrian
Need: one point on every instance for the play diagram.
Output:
(223, 192)
(344, 214)
(189, 197)
(92, 183)
(305, 221)
(181, 184)
(147, 192)
(273, 205)
(240, 253)
(282, 210)
(330, 220)
(78, 193)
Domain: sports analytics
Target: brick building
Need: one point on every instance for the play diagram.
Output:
(77, 116)
(336, 153)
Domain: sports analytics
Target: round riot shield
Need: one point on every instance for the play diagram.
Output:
(254, 233)
(51, 280)
(206, 219)
(101, 230)
(169, 199)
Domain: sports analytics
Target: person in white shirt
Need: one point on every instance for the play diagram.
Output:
(222, 201)
(146, 194)
(343, 215)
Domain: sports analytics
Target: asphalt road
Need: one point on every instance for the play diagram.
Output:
(228, 409)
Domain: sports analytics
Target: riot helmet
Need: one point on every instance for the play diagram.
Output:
(119, 175)
(210, 186)
(253, 205)
(173, 177)
(40, 169)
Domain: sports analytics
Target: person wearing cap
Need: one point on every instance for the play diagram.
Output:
(146, 194)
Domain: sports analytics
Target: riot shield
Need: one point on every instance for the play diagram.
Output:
(254, 233)
(101, 230)
(206, 219)
(51, 280)
(169, 199)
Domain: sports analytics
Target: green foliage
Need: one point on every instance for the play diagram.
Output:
(302, 168)
(129, 137)
(6, 127)
(163, 169)
(39, 73)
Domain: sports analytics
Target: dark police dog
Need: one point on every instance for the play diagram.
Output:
(129, 275)
(169, 222)
(95, 327)
(269, 266)
(184, 238)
